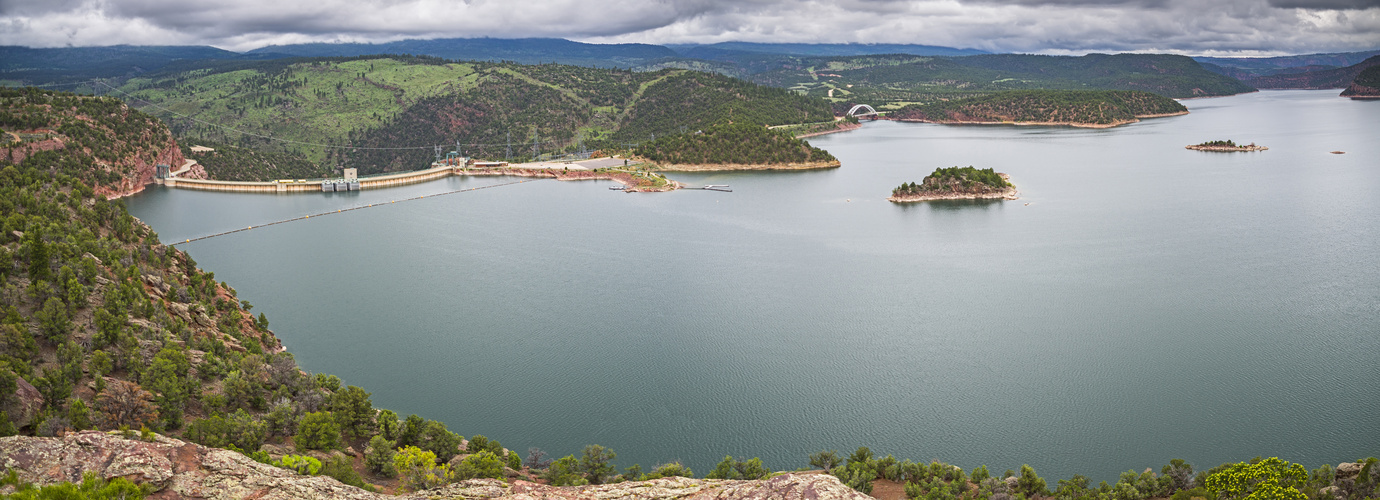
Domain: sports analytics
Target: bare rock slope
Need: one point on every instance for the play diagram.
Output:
(178, 469)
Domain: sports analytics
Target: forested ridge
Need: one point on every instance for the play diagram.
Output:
(1099, 107)
(103, 142)
(1367, 83)
(362, 112)
(741, 143)
(893, 81)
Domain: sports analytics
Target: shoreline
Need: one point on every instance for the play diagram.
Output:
(843, 127)
(1117, 123)
(625, 178)
(730, 167)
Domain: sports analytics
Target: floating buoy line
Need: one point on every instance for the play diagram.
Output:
(340, 210)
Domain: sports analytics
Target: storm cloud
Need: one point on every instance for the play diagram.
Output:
(1252, 27)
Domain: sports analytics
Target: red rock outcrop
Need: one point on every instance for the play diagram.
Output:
(181, 470)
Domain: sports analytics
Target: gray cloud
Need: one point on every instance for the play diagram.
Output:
(1050, 26)
(1325, 4)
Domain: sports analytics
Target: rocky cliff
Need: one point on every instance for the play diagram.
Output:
(178, 469)
(102, 141)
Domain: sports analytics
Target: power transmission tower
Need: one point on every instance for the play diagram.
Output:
(438, 153)
(508, 154)
(536, 153)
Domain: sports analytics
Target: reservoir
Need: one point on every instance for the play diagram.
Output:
(1140, 302)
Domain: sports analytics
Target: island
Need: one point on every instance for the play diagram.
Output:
(1075, 108)
(1227, 146)
(957, 183)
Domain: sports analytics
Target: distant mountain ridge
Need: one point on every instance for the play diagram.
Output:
(1332, 78)
(519, 50)
(825, 49)
(1267, 65)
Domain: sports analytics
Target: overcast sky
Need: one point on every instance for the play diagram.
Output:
(1194, 27)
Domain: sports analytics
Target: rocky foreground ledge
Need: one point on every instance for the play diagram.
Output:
(181, 470)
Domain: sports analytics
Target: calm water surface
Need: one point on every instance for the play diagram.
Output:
(1141, 302)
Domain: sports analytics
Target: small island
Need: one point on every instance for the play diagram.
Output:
(957, 183)
(1227, 146)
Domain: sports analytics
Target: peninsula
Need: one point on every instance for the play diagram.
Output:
(1366, 85)
(1076, 108)
(733, 146)
(1227, 146)
(957, 183)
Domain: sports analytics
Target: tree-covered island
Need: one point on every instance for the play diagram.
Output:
(957, 183)
(1225, 146)
(1077, 108)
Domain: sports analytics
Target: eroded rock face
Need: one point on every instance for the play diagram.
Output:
(175, 468)
(24, 405)
(181, 470)
(783, 487)
(1349, 469)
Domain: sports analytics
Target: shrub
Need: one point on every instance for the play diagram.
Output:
(1269, 479)
(378, 457)
(730, 468)
(417, 469)
(317, 431)
(826, 460)
(597, 463)
(341, 468)
(514, 461)
(1030, 484)
(671, 469)
(482, 464)
(564, 472)
(435, 438)
(304, 465)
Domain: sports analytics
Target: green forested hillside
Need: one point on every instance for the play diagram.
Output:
(234, 163)
(119, 146)
(365, 112)
(742, 143)
(1334, 78)
(895, 80)
(1099, 107)
(103, 326)
(1370, 77)
(683, 101)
